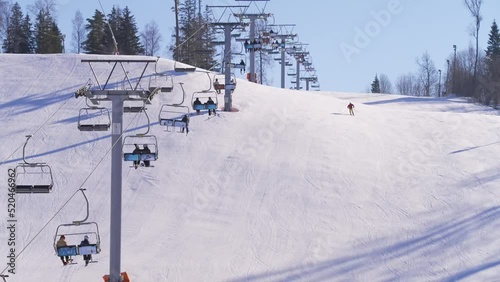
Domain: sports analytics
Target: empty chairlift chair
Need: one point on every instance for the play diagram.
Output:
(94, 119)
(33, 177)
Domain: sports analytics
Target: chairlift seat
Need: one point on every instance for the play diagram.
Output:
(68, 251)
(219, 86)
(93, 127)
(139, 157)
(199, 107)
(166, 89)
(35, 189)
(133, 109)
(88, 250)
(173, 122)
(42, 188)
(86, 127)
(211, 107)
(249, 46)
(22, 189)
(239, 66)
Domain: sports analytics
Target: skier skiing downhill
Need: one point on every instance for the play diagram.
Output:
(351, 109)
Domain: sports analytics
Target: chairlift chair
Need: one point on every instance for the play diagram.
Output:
(219, 82)
(77, 230)
(32, 177)
(184, 68)
(129, 143)
(171, 116)
(203, 97)
(165, 83)
(94, 119)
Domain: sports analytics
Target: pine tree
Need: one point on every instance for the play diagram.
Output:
(492, 94)
(376, 85)
(28, 39)
(128, 38)
(48, 37)
(95, 42)
(493, 49)
(19, 38)
(115, 21)
(195, 37)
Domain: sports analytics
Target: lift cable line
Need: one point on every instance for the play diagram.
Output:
(38, 129)
(110, 29)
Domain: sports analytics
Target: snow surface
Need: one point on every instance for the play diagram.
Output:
(287, 188)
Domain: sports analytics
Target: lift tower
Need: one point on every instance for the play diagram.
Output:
(252, 17)
(104, 92)
(228, 27)
(283, 33)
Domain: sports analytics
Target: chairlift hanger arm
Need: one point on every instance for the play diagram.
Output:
(78, 222)
(24, 148)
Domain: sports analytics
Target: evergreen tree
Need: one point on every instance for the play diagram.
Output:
(28, 38)
(491, 94)
(195, 37)
(96, 31)
(376, 85)
(493, 49)
(128, 37)
(48, 37)
(19, 38)
(115, 20)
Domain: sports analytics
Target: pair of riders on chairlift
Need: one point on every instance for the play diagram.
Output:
(61, 243)
(209, 102)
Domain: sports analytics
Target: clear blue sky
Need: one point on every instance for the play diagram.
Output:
(331, 28)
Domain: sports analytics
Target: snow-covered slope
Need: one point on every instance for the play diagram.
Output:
(287, 188)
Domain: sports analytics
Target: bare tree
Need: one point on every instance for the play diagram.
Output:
(427, 73)
(151, 39)
(4, 17)
(474, 7)
(406, 85)
(78, 31)
(385, 84)
(49, 6)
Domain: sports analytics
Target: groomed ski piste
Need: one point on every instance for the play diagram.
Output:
(287, 187)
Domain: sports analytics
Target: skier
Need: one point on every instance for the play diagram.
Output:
(86, 242)
(195, 103)
(351, 109)
(185, 119)
(62, 243)
(216, 83)
(242, 66)
(146, 150)
(137, 151)
(210, 102)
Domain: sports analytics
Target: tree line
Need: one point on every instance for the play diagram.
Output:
(472, 72)
(37, 31)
